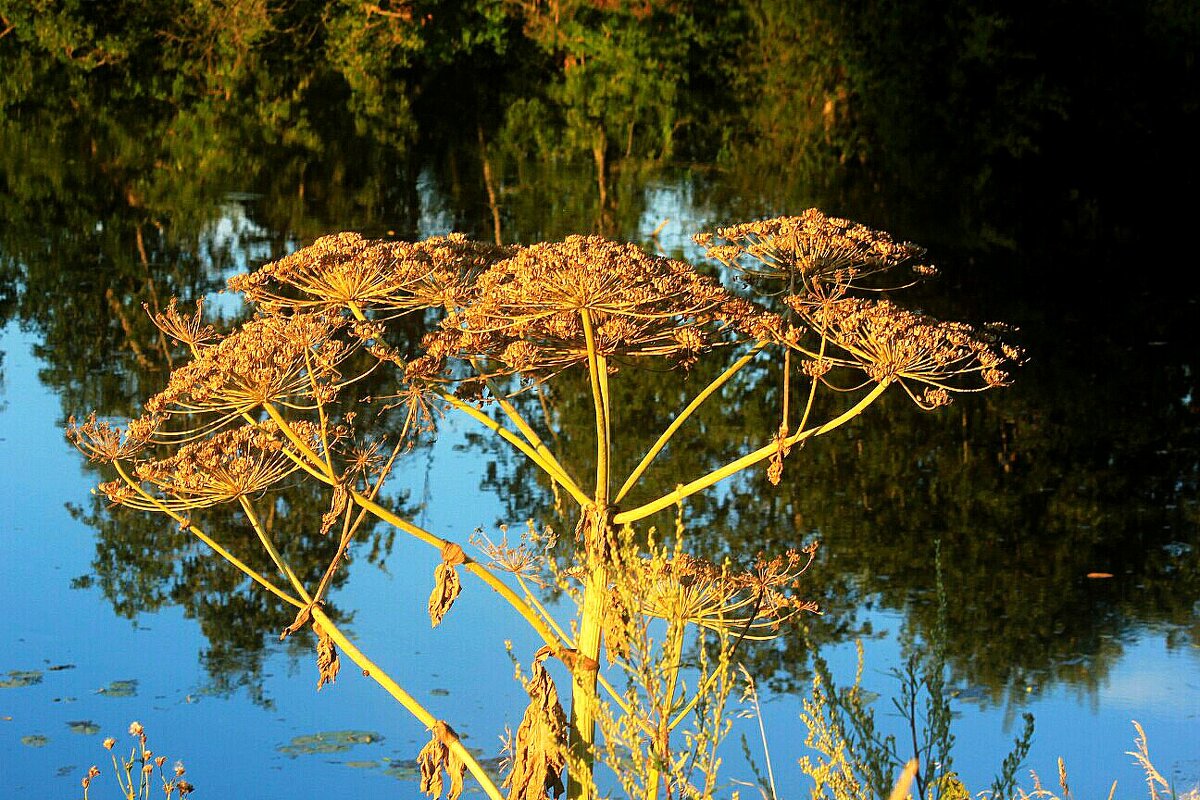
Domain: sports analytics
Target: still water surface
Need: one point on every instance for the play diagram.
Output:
(108, 620)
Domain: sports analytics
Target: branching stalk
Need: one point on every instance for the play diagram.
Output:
(748, 460)
(187, 525)
(682, 417)
(372, 670)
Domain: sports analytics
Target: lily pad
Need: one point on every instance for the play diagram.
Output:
(328, 742)
(35, 740)
(120, 689)
(84, 726)
(20, 677)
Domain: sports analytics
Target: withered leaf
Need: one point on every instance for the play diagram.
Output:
(439, 755)
(446, 589)
(538, 750)
(303, 617)
(616, 628)
(327, 657)
(775, 466)
(341, 498)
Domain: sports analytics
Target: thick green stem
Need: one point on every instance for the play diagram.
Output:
(748, 460)
(583, 685)
(372, 670)
(584, 700)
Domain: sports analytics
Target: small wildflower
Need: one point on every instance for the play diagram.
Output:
(110, 743)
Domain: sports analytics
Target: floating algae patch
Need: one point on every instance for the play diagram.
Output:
(84, 726)
(59, 667)
(20, 677)
(360, 764)
(120, 689)
(408, 769)
(35, 740)
(328, 742)
(439, 692)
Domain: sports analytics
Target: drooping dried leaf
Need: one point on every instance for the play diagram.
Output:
(538, 750)
(341, 497)
(327, 657)
(446, 589)
(616, 628)
(782, 449)
(438, 756)
(303, 617)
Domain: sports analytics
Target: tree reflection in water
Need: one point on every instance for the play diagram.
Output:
(110, 193)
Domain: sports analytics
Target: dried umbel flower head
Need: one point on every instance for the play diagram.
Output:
(892, 343)
(186, 329)
(267, 360)
(231, 464)
(347, 271)
(100, 441)
(535, 312)
(749, 604)
(810, 251)
(538, 750)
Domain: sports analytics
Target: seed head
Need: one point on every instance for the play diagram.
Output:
(811, 251)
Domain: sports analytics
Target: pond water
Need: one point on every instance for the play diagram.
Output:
(1087, 465)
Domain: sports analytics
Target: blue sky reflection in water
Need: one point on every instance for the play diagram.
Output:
(350, 737)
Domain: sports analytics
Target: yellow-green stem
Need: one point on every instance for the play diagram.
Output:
(661, 754)
(600, 401)
(748, 460)
(474, 567)
(583, 684)
(295, 439)
(372, 670)
(812, 389)
(675, 425)
(186, 524)
(269, 546)
(595, 594)
(550, 466)
(477, 569)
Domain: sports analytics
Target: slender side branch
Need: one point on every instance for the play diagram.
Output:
(483, 573)
(748, 460)
(186, 524)
(269, 546)
(373, 671)
(295, 439)
(677, 423)
(550, 467)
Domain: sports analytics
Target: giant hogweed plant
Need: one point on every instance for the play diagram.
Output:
(278, 400)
